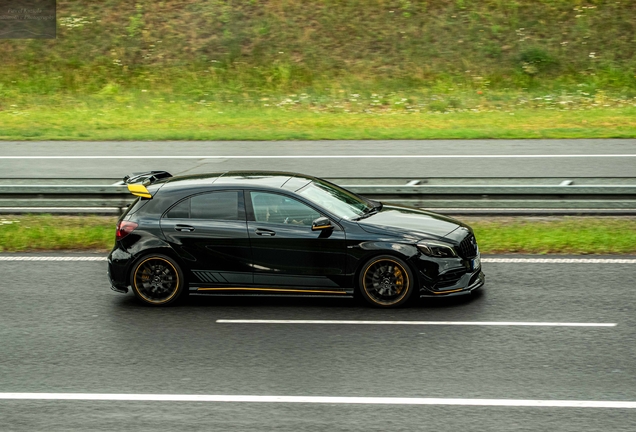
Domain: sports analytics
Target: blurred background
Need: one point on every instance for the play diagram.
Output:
(331, 70)
(341, 57)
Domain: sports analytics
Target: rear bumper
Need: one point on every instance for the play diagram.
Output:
(118, 261)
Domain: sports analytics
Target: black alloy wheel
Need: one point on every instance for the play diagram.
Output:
(386, 281)
(157, 280)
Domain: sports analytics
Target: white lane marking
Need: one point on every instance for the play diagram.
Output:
(45, 258)
(546, 403)
(486, 260)
(380, 156)
(561, 260)
(451, 323)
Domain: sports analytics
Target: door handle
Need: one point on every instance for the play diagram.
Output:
(265, 232)
(185, 228)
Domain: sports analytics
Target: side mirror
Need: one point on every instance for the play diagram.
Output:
(321, 223)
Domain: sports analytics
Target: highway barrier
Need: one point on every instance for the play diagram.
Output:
(496, 196)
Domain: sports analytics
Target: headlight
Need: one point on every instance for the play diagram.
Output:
(436, 249)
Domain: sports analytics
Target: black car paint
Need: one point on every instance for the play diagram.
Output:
(296, 257)
(416, 222)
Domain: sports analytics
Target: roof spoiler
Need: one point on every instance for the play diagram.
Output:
(146, 178)
(137, 182)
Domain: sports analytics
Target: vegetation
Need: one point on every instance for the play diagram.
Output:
(180, 122)
(567, 235)
(46, 232)
(345, 69)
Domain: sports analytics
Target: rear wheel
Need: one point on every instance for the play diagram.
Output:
(157, 280)
(386, 281)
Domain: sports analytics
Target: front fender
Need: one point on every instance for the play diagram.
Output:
(361, 252)
(404, 250)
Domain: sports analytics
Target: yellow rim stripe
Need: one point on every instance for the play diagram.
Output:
(364, 284)
(143, 296)
(139, 190)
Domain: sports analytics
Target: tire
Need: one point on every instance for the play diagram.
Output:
(157, 280)
(386, 281)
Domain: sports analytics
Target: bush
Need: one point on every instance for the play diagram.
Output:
(536, 60)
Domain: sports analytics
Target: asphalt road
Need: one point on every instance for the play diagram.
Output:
(325, 158)
(63, 330)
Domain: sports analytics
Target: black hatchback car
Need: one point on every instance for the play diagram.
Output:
(277, 233)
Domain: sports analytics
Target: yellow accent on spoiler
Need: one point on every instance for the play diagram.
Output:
(139, 190)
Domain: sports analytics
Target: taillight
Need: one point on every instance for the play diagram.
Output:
(124, 228)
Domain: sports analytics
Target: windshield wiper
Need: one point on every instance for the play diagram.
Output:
(370, 211)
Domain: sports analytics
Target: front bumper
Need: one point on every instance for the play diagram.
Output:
(442, 277)
(119, 290)
(476, 281)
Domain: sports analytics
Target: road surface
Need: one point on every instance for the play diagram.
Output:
(62, 330)
(331, 159)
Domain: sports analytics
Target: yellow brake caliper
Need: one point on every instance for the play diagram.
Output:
(399, 279)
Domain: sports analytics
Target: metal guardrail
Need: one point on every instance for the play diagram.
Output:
(444, 195)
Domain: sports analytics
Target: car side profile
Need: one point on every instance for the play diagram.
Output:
(278, 233)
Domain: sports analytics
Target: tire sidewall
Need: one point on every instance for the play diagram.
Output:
(179, 294)
(411, 281)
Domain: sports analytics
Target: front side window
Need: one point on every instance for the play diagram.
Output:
(280, 209)
(338, 201)
(210, 206)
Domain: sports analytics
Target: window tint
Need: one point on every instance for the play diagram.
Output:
(274, 208)
(217, 206)
(135, 206)
(339, 201)
(211, 206)
(181, 210)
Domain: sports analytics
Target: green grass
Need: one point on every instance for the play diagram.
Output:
(567, 235)
(160, 120)
(557, 236)
(278, 69)
(46, 232)
(287, 45)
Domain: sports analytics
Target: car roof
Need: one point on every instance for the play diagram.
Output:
(267, 179)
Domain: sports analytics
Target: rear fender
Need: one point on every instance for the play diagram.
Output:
(158, 250)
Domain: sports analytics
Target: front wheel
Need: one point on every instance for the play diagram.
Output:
(157, 280)
(386, 281)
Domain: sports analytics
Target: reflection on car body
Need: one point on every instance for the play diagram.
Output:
(277, 233)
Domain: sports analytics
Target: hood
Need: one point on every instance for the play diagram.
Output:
(409, 220)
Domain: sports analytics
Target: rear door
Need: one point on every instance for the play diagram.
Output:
(209, 231)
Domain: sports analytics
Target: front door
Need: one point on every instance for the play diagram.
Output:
(286, 252)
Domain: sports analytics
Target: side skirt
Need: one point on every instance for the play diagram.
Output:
(208, 294)
(269, 291)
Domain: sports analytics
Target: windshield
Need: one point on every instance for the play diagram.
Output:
(338, 201)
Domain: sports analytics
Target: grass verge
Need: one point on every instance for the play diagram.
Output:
(163, 121)
(27, 233)
(566, 235)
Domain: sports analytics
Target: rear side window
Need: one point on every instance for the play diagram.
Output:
(211, 206)
(134, 207)
(180, 211)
